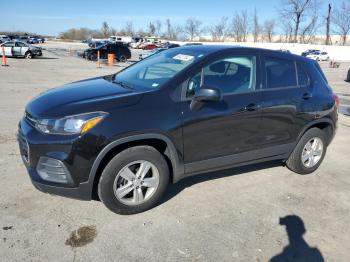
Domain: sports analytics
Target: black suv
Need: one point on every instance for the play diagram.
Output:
(121, 51)
(190, 110)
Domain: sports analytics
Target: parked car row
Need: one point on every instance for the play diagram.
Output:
(20, 49)
(25, 39)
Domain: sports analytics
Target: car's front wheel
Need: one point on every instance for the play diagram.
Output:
(308, 154)
(134, 180)
(29, 55)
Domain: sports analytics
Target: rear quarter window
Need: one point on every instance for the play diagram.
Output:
(280, 72)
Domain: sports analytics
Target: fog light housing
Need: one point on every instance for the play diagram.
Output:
(53, 170)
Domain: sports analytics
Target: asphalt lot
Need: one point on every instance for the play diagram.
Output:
(232, 215)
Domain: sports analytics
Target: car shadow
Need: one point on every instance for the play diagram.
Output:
(43, 57)
(297, 249)
(176, 188)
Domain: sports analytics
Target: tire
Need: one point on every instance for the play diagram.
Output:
(29, 55)
(295, 161)
(93, 57)
(122, 58)
(129, 160)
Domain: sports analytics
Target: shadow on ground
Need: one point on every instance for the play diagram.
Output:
(176, 188)
(298, 249)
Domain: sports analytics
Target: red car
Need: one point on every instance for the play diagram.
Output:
(150, 47)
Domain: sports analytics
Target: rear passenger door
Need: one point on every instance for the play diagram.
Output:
(286, 93)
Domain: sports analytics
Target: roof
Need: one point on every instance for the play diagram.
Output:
(210, 49)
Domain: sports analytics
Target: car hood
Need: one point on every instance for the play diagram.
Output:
(94, 94)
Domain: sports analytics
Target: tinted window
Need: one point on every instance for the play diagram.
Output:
(280, 72)
(9, 44)
(303, 78)
(234, 74)
(20, 44)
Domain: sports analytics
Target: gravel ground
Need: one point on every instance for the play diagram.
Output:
(232, 215)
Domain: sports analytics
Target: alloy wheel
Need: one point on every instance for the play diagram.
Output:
(312, 152)
(136, 182)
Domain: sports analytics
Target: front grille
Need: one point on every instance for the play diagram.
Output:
(23, 147)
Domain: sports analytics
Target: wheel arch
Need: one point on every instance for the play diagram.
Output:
(324, 124)
(160, 142)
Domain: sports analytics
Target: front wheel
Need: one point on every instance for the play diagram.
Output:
(29, 55)
(134, 180)
(309, 153)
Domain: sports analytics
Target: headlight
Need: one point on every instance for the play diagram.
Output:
(70, 125)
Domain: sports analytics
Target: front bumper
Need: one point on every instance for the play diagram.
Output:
(34, 145)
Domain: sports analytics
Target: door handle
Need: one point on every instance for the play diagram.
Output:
(251, 107)
(307, 96)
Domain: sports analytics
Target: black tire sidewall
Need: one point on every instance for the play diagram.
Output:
(106, 183)
(295, 163)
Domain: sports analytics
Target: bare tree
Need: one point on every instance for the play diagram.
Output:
(256, 27)
(328, 24)
(240, 26)
(105, 29)
(151, 28)
(158, 25)
(268, 30)
(342, 21)
(129, 28)
(192, 28)
(297, 11)
(307, 33)
(219, 31)
(169, 29)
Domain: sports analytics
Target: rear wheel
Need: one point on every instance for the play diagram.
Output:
(122, 58)
(308, 155)
(134, 180)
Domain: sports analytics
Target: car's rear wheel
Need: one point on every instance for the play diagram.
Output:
(308, 154)
(134, 180)
(29, 55)
(122, 58)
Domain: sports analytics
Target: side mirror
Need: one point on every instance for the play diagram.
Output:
(205, 94)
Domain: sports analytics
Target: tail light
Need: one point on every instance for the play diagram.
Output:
(336, 99)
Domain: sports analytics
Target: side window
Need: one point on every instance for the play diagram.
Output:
(234, 74)
(20, 44)
(303, 78)
(9, 44)
(280, 72)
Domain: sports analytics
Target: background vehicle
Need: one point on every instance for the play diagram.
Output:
(181, 112)
(169, 45)
(149, 46)
(309, 51)
(319, 56)
(121, 51)
(4, 38)
(123, 39)
(151, 52)
(20, 49)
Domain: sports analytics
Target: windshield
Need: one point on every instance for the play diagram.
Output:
(158, 69)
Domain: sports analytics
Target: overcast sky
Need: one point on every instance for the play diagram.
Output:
(53, 17)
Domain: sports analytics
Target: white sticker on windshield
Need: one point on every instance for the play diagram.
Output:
(183, 57)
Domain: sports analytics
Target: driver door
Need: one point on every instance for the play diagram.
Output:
(227, 131)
